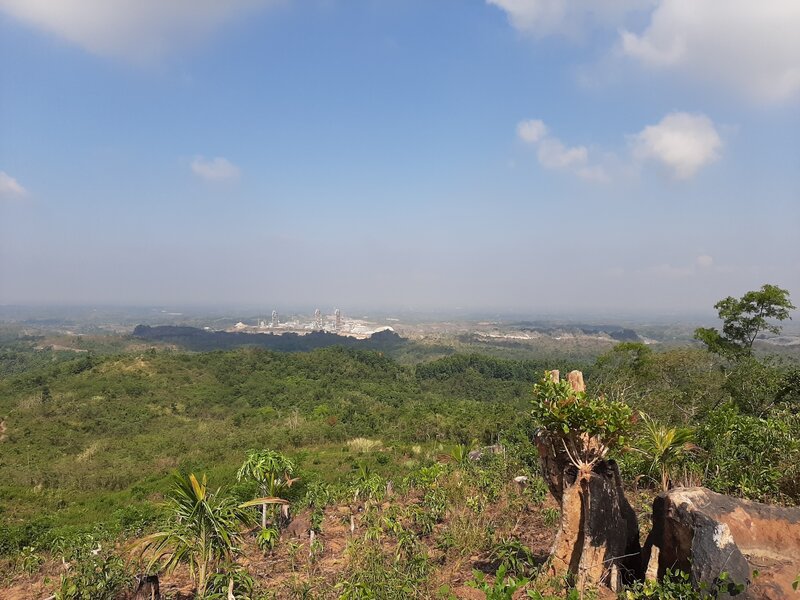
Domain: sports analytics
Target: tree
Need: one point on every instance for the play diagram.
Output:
(204, 531)
(271, 470)
(744, 318)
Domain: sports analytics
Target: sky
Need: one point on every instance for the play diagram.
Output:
(528, 155)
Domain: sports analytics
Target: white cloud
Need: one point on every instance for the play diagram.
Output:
(531, 131)
(215, 169)
(566, 17)
(704, 261)
(682, 142)
(593, 173)
(747, 45)
(554, 155)
(138, 30)
(10, 187)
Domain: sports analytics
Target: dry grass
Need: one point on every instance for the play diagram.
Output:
(362, 445)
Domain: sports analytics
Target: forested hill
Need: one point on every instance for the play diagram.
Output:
(92, 429)
(192, 338)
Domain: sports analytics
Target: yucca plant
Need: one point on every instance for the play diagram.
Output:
(664, 446)
(203, 530)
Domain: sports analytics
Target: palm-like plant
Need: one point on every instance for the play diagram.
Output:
(204, 530)
(272, 471)
(664, 446)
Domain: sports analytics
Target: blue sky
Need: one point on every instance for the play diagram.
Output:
(511, 154)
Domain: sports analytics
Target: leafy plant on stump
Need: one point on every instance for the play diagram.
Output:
(598, 538)
(587, 427)
(272, 471)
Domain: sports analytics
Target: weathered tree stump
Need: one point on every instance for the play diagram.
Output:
(147, 588)
(598, 537)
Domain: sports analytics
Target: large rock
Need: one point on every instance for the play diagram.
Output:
(705, 534)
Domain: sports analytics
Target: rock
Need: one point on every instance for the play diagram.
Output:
(705, 534)
(478, 454)
(300, 526)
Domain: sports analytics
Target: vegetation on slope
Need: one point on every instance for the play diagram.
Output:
(89, 445)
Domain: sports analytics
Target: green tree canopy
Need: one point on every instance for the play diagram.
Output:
(744, 318)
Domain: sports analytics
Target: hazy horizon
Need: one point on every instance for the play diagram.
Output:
(519, 156)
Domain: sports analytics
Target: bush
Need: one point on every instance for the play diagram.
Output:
(752, 456)
(93, 577)
(676, 585)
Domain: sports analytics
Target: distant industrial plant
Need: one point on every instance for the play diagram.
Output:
(336, 323)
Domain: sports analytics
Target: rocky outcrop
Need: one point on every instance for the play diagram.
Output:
(706, 534)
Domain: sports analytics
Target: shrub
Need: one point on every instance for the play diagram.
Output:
(676, 585)
(93, 577)
(588, 427)
(512, 554)
(751, 456)
(503, 588)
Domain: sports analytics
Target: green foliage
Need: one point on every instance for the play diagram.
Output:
(752, 456)
(512, 554)
(29, 560)
(675, 386)
(588, 426)
(503, 588)
(93, 576)
(676, 585)
(114, 430)
(203, 531)
(460, 453)
(368, 485)
(231, 578)
(664, 447)
(744, 318)
(551, 516)
(374, 573)
(272, 471)
(318, 496)
(755, 386)
(267, 538)
(495, 368)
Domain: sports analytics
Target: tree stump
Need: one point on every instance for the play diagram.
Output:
(598, 537)
(147, 588)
